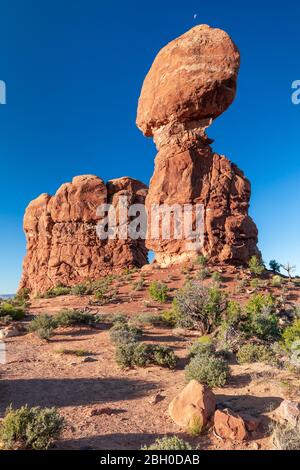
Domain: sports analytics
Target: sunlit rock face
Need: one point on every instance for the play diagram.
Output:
(63, 246)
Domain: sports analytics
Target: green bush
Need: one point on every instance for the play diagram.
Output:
(202, 346)
(124, 354)
(256, 266)
(261, 320)
(251, 353)
(9, 310)
(276, 281)
(258, 303)
(43, 326)
(233, 313)
(149, 319)
(125, 333)
(208, 369)
(169, 443)
(67, 318)
(22, 297)
(203, 273)
(56, 292)
(201, 261)
(171, 317)
(163, 356)
(199, 307)
(81, 290)
(129, 354)
(291, 334)
(216, 277)
(158, 292)
(30, 428)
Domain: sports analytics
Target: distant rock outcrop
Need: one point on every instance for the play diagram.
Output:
(62, 243)
(191, 82)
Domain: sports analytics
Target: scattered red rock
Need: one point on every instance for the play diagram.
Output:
(289, 411)
(229, 425)
(191, 82)
(194, 401)
(62, 244)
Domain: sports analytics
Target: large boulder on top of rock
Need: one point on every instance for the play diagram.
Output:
(191, 82)
(63, 246)
(194, 402)
(192, 78)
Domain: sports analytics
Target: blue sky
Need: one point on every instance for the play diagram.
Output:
(74, 71)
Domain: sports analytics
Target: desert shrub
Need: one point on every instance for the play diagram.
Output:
(229, 338)
(241, 285)
(163, 356)
(149, 319)
(291, 335)
(30, 428)
(169, 443)
(255, 284)
(104, 295)
(276, 281)
(171, 317)
(203, 274)
(125, 333)
(124, 354)
(199, 307)
(258, 303)
(56, 292)
(208, 369)
(9, 310)
(72, 352)
(286, 437)
(158, 292)
(216, 277)
(201, 261)
(251, 353)
(203, 345)
(140, 284)
(261, 320)
(22, 297)
(129, 354)
(109, 319)
(43, 326)
(264, 325)
(233, 313)
(67, 318)
(256, 266)
(81, 290)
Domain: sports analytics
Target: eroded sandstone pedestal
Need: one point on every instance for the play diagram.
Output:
(62, 242)
(191, 82)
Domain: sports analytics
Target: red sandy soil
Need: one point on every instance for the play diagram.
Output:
(107, 408)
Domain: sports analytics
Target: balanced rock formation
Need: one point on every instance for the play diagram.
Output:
(63, 246)
(191, 82)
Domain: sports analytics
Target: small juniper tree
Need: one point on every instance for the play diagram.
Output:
(256, 266)
(274, 266)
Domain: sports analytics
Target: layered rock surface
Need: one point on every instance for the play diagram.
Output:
(62, 242)
(191, 82)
